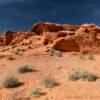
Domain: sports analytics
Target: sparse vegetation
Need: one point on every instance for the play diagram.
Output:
(74, 76)
(10, 82)
(87, 76)
(35, 91)
(24, 69)
(17, 51)
(53, 52)
(49, 82)
(91, 56)
(84, 75)
(87, 55)
(58, 53)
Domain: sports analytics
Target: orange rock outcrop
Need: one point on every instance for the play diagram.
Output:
(63, 37)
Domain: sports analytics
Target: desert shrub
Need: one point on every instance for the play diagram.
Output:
(74, 76)
(17, 51)
(24, 69)
(58, 53)
(10, 82)
(49, 82)
(85, 52)
(35, 91)
(87, 55)
(91, 56)
(53, 52)
(87, 76)
(84, 75)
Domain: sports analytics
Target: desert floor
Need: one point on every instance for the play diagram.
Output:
(45, 65)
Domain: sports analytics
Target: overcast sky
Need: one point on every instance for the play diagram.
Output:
(21, 14)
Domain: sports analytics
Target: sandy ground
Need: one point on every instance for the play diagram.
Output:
(56, 67)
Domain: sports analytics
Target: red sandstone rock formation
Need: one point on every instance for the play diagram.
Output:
(62, 37)
(8, 35)
(84, 38)
(20, 36)
(66, 45)
(40, 27)
(70, 27)
(1, 40)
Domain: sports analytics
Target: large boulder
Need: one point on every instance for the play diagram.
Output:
(66, 45)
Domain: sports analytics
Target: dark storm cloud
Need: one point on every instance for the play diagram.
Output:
(21, 14)
(9, 1)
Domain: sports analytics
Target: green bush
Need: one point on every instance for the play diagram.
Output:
(82, 75)
(74, 76)
(49, 82)
(87, 55)
(58, 53)
(35, 91)
(24, 69)
(87, 76)
(17, 51)
(10, 82)
(53, 52)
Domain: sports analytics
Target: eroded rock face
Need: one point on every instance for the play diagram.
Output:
(84, 38)
(1, 40)
(40, 27)
(87, 35)
(8, 36)
(50, 37)
(63, 37)
(70, 27)
(66, 45)
(20, 36)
